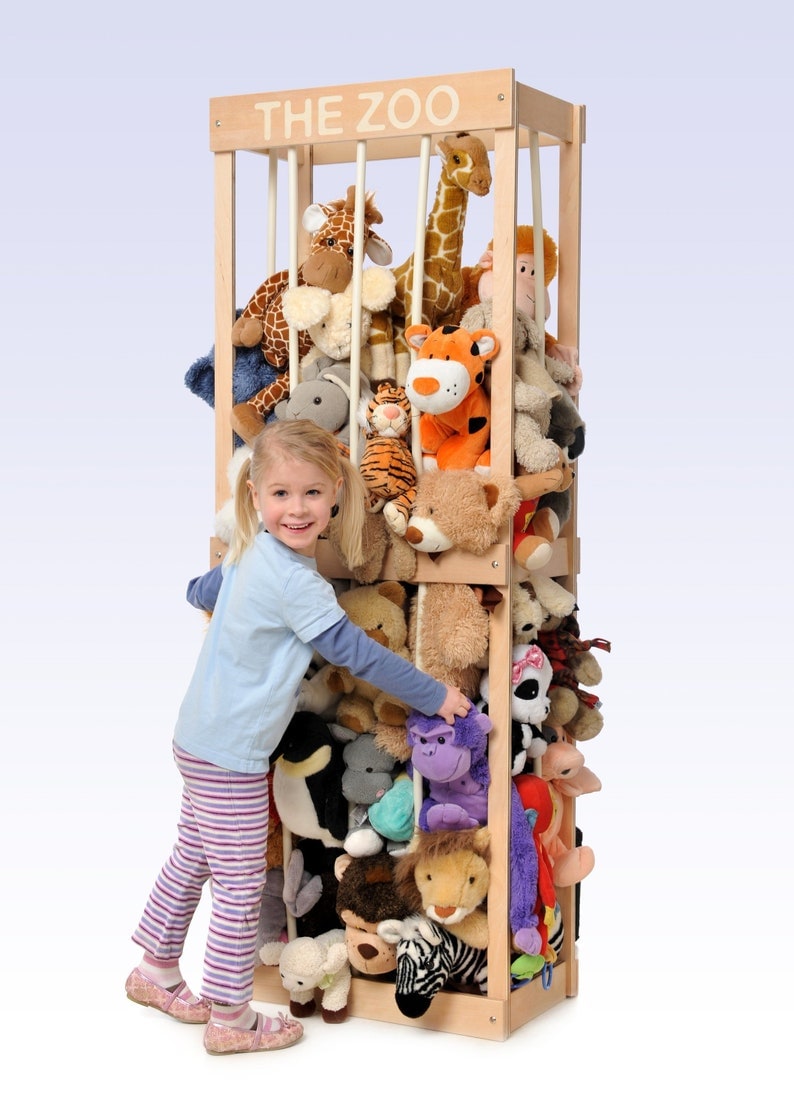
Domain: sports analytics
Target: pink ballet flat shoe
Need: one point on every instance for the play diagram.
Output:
(270, 1033)
(170, 1001)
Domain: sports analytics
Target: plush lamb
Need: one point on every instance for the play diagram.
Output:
(309, 964)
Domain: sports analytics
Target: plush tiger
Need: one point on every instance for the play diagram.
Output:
(387, 466)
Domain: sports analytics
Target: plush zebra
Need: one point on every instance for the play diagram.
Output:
(428, 957)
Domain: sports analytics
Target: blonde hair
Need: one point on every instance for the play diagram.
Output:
(307, 442)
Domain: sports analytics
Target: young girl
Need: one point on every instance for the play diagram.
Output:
(272, 612)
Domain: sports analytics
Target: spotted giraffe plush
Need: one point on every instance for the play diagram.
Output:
(329, 265)
(465, 170)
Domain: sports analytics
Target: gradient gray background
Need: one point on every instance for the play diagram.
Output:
(106, 457)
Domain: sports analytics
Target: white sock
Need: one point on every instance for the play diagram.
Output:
(234, 1015)
(166, 973)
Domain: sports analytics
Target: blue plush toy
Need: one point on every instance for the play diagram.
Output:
(251, 374)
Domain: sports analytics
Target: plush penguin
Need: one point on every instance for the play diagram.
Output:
(308, 766)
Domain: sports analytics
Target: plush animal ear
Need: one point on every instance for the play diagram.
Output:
(416, 334)
(485, 261)
(377, 249)
(486, 341)
(314, 217)
(392, 931)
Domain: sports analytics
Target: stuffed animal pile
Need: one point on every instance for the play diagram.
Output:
(387, 808)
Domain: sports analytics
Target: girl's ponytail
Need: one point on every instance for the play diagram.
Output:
(349, 526)
(246, 519)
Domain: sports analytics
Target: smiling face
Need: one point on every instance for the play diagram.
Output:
(295, 499)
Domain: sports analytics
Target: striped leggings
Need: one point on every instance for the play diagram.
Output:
(222, 837)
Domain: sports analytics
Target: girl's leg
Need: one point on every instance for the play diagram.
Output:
(157, 981)
(230, 811)
(177, 891)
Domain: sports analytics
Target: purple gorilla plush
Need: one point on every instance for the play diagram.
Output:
(453, 761)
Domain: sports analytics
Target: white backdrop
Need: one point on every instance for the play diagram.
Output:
(685, 490)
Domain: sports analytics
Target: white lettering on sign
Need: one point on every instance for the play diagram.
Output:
(403, 110)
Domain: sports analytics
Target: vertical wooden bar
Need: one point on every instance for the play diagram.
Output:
(225, 261)
(568, 317)
(568, 279)
(500, 639)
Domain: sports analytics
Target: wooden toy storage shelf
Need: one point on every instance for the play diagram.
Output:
(393, 119)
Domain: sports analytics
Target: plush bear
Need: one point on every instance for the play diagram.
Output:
(537, 523)
(574, 668)
(449, 626)
(446, 384)
(309, 964)
(461, 510)
(366, 895)
(250, 375)
(379, 609)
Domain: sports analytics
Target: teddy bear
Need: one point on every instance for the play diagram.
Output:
(574, 669)
(378, 609)
(309, 964)
(448, 631)
(537, 522)
(478, 285)
(366, 895)
(453, 761)
(460, 509)
(446, 384)
(445, 875)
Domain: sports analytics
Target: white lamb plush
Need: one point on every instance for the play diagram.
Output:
(307, 964)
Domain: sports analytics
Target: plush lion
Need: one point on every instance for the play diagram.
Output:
(445, 875)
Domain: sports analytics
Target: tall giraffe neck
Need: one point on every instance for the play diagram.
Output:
(446, 221)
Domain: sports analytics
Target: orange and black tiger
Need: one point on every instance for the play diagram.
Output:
(387, 465)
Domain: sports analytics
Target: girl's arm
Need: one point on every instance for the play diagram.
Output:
(202, 592)
(346, 645)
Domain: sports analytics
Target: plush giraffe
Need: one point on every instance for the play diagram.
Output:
(329, 264)
(465, 170)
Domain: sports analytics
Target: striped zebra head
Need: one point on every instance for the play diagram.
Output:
(428, 957)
